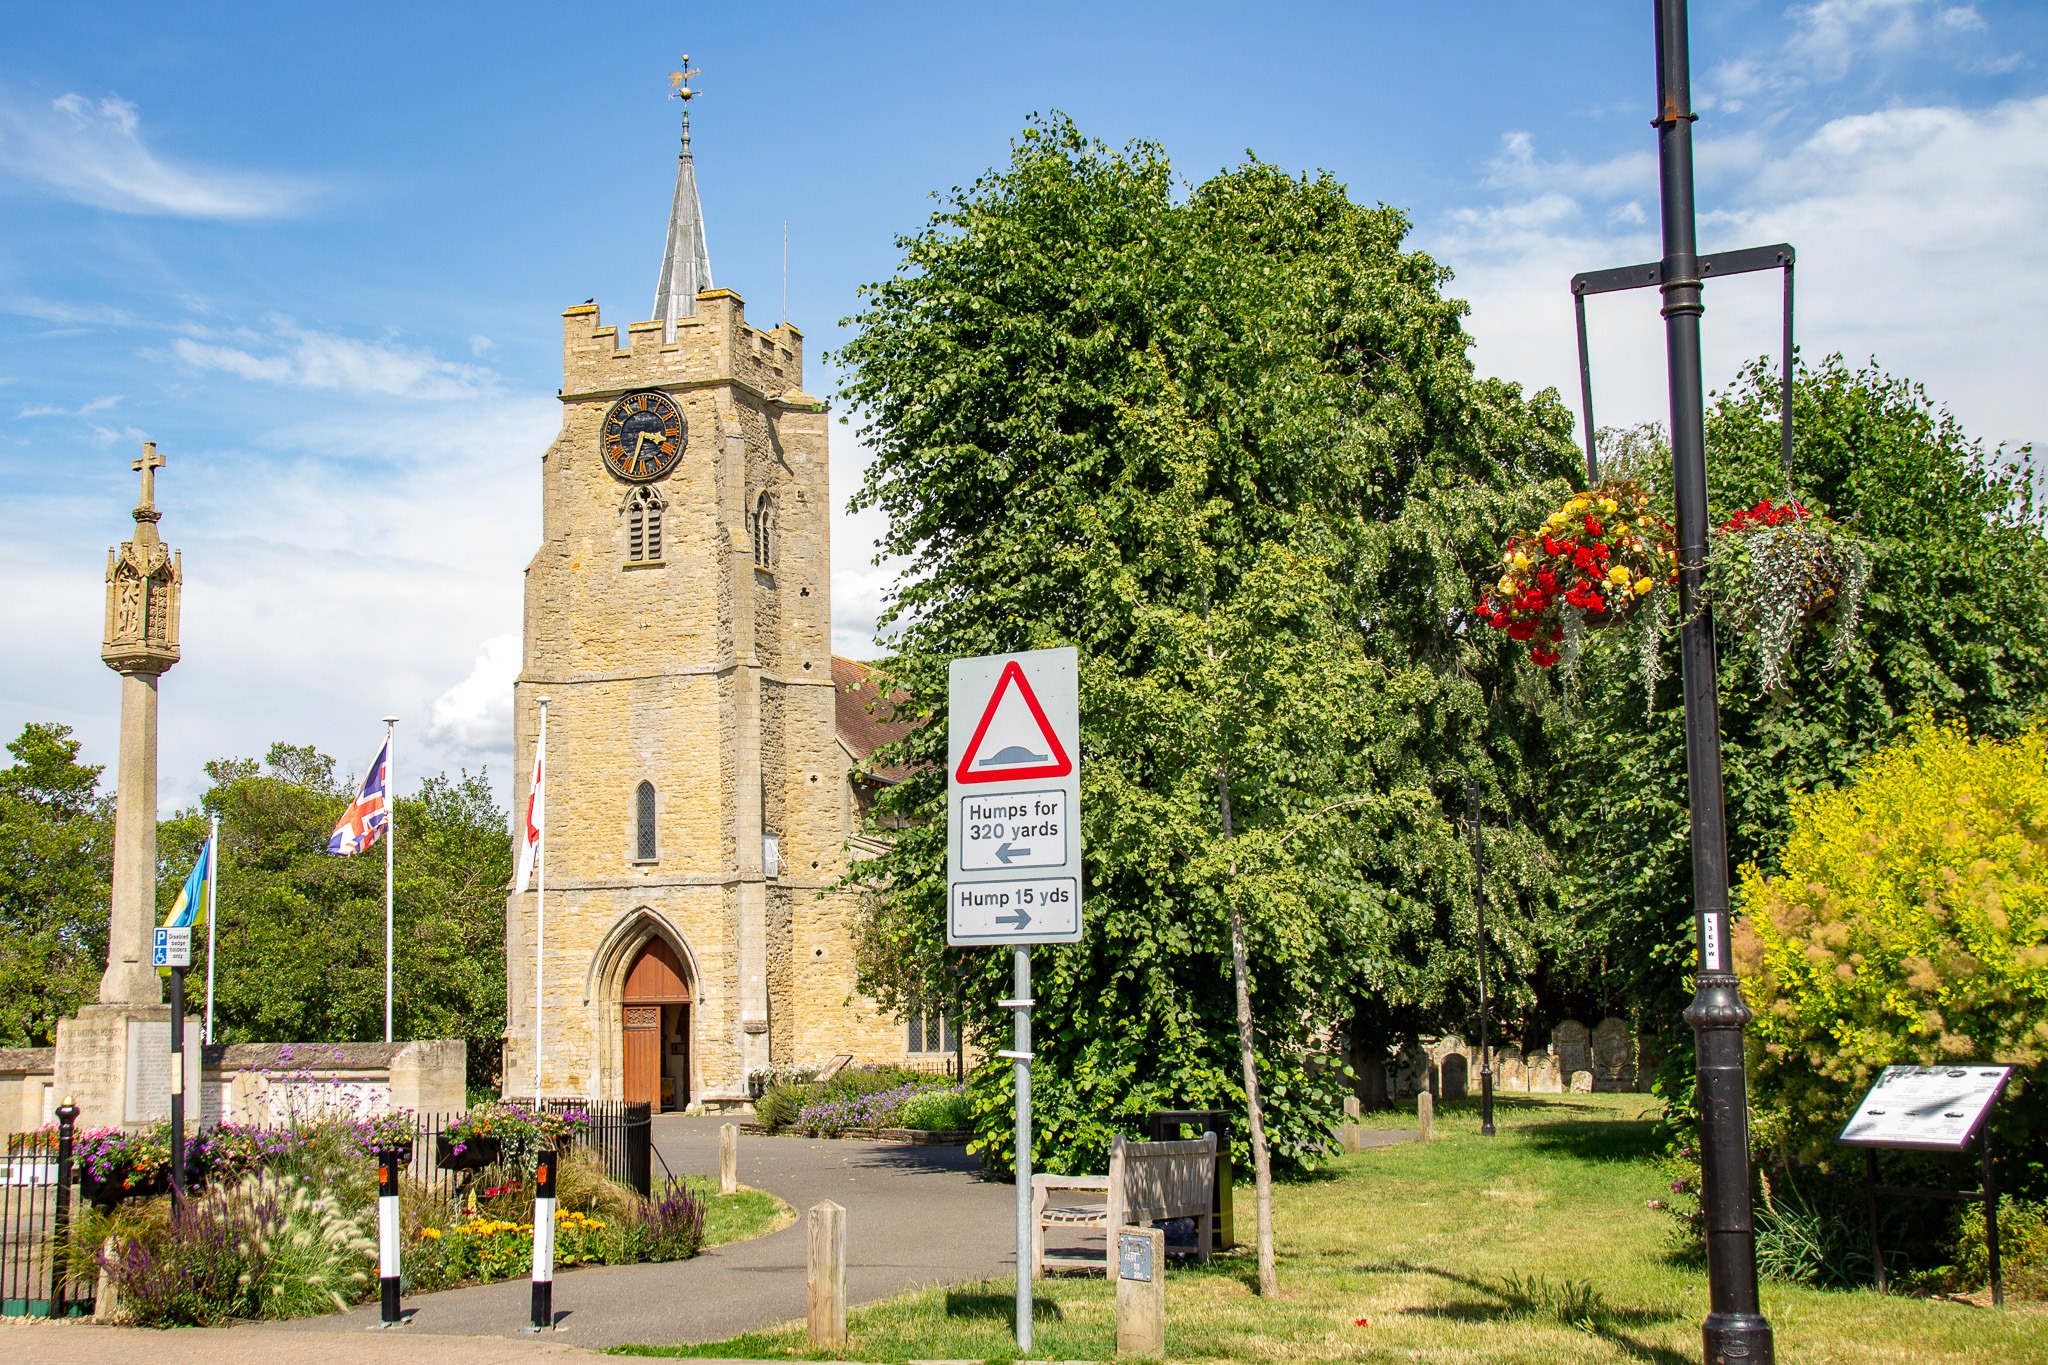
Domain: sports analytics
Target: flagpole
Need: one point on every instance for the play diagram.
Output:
(540, 936)
(390, 838)
(212, 904)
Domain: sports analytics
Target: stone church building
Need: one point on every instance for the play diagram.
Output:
(701, 736)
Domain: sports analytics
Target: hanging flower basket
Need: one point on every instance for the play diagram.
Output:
(467, 1154)
(1598, 560)
(1777, 565)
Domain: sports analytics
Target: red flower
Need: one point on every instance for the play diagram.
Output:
(1521, 630)
(1541, 657)
(1552, 545)
(1546, 580)
(1602, 551)
(1584, 559)
(1595, 602)
(1556, 633)
(1361, 1323)
(1592, 524)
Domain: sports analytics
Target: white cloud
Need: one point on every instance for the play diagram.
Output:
(476, 713)
(1910, 223)
(91, 405)
(298, 358)
(92, 152)
(859, 585)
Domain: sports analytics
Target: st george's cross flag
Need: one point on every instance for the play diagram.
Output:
(370, 813)
(536, 813)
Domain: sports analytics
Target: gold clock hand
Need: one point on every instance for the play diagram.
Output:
(639, 461)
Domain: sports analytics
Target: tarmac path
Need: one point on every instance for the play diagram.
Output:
(914, 1216)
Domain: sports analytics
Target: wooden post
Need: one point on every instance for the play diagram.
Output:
(1351, 1109)
(1141, 1292)
(825, 1318)
(1351, 1144)
(728, 1158)
(1425, 1115)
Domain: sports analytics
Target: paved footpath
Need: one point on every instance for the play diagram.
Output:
(914, 1216)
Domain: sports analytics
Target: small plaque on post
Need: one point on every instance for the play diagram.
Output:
(172, 948)
(1134, 1256)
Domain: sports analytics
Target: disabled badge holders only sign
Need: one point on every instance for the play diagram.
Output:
(1013, 855)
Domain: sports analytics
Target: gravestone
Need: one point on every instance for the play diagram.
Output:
(1571, 1043)
(1456, 1074)
(1543, 1075)
(1509, 1070)
(1582, 1082)
(1613, 1065)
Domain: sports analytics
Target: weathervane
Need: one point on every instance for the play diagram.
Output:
(679, 82)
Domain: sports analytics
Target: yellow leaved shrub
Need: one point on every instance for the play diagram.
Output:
(1907, 923)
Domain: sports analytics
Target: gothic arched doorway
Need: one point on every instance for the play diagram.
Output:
(655, 1029)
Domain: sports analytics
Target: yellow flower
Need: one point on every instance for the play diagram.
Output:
(1520, 561)
(434, 1233)
(1617, 574)
(1506, 586)
(1608, 504)
(1643, 586)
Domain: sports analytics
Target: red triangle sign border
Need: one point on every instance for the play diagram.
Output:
(1059, 765)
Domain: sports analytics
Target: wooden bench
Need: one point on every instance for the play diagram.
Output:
(1147, 1182)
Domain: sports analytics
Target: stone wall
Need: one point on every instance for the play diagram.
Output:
(266, 1083)
(1605, 1058)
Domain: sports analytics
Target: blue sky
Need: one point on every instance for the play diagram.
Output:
(320, 257)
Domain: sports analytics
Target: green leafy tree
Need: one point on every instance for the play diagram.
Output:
(56, 862)
(1230, 447)
(1955, 622)
(301, 932)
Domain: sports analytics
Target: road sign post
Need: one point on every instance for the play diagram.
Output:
(1013, 849)
(172, 947)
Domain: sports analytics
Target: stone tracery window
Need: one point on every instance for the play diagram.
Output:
(642, 511)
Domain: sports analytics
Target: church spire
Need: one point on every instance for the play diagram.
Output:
(686, 264)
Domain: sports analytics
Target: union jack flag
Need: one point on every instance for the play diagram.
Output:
(370, 813)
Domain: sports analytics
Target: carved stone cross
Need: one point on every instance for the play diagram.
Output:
(148, 465)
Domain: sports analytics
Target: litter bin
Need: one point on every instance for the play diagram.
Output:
(1167, 1126)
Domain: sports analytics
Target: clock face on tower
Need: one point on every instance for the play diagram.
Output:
(643, 436)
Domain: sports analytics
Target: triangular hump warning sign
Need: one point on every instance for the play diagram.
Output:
(1014, 739)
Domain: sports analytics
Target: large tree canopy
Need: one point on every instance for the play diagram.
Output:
(1955, 623)
(1230, 446)
(301, 932)
(56, 834)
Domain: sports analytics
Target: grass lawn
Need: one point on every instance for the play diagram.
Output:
(1534, 1245)
(738, 1216)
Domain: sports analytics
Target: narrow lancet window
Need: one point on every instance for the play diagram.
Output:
(763, 519)
(643, 525)
(643, 844)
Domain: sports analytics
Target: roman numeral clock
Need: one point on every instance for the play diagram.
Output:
(643, 436)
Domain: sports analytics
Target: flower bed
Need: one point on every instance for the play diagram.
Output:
(863, 1099)
(519, 1133)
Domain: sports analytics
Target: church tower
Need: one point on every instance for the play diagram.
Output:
(678, 619)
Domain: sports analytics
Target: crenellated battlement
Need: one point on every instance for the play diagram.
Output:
(716, 344)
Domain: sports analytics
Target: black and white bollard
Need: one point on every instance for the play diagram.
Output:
(388, 1271)
(544, 1245)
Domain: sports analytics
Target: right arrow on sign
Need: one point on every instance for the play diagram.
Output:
(1014, 739)
(1016, 921)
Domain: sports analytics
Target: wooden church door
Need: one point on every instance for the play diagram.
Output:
(643, 1054)
(655, 986)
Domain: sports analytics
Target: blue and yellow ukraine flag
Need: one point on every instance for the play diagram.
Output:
(189, 910)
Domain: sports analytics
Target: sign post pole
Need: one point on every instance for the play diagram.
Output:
(1020, 1032)
(171, 947)
(1013, 849)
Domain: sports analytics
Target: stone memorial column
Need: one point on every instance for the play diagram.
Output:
(114, 1057)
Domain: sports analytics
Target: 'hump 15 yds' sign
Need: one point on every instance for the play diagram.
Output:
(1013, 858)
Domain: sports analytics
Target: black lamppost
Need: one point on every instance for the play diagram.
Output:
(1479, 907)
(1735, 1331)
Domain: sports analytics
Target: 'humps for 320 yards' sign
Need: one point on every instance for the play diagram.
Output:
(1013, 856)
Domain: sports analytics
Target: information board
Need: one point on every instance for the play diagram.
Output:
(1932, 1108)
(1013, 780)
